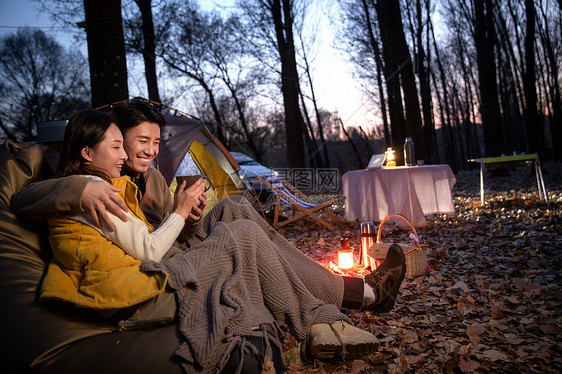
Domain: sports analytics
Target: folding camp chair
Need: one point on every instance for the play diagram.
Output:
(286, 193)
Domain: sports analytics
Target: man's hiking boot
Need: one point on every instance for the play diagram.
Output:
(386, 279)
(327, 340)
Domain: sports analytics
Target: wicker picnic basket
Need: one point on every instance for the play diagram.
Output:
(416, 254)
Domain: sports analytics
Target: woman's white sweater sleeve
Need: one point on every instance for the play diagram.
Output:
(133, 236)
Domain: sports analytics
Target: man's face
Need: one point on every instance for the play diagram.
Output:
(142, 145)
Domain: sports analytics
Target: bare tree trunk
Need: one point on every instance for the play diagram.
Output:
(281, 12)
(435, 150)
(312, 146)
(555, 99)
(326, 161)
(489, 105)
(534, 129)
(106, 51)
(509, 130)
(392, 33)
(392, 68)
(425, 90)
(366, 141)
(512, 94)
(149, 49)
(518, 69)
(355, 150)
(378, 62)
(472, 147)
(440, 105)
(456, 130)
(444, 109)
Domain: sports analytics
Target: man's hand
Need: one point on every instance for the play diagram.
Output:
(98, 198)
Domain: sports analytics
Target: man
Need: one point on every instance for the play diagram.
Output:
(140, 123)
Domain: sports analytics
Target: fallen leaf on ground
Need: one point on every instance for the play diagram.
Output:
(357, 366)
(460, 285)
(496, 313)
(468, 366)
(494, 355)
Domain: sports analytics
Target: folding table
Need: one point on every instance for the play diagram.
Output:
(509, 162)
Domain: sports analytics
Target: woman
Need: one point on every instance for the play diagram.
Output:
(225, 286)
(104, 159)
(93, 146)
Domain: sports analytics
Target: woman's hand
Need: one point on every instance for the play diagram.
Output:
(197, 211)
(185, 200)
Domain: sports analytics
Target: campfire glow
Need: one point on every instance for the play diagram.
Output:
(343, 261)
(357, 270)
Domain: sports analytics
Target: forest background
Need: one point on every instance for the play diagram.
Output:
(463, 78)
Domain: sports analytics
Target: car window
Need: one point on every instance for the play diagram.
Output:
(241, 158)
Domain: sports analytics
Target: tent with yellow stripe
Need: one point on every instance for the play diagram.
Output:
(183, 134)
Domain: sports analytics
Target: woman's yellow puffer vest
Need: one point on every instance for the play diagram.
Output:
(90, 271)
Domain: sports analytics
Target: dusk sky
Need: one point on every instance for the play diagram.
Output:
(334, 85)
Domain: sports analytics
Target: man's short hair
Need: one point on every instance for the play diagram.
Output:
(132, 113)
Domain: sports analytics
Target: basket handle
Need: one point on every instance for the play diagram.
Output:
(379, 233)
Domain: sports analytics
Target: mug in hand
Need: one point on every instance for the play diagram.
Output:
(190, 179)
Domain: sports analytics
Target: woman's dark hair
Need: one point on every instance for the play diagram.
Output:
(132, 113)
(86, 128)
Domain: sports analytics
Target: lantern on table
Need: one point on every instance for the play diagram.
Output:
(390, 162)
(345, 255)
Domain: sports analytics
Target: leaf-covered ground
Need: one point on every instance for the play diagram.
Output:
(491, 299)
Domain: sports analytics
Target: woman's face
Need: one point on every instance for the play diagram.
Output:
(108, 155)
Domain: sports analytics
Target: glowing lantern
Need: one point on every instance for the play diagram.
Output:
(390, 158)
(345, 258)
(345, 255)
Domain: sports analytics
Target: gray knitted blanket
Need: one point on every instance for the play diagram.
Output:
(233, 280)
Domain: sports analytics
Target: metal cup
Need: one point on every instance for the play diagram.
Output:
(190, 179)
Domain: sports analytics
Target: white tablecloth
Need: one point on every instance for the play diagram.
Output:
(413, 192)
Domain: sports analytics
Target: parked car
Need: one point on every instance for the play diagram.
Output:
(249, 169)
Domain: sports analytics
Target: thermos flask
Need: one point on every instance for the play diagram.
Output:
(409, 152)
(367, 240)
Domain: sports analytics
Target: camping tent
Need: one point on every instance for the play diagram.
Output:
(183, 136)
